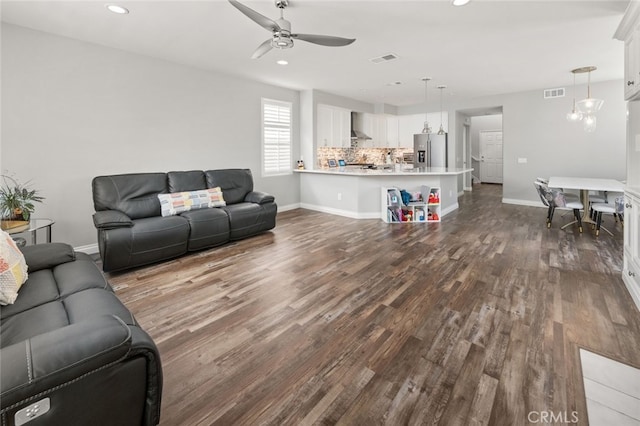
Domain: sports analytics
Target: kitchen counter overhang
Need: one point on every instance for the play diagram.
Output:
(355, 192)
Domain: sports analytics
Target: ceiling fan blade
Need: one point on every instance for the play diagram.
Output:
(323, 39)
(263, 21)
(262, 49)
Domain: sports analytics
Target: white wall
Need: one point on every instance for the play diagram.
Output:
(73, 110)
(479, 124)
(536, 129)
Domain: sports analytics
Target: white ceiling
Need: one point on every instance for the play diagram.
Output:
(484, 48)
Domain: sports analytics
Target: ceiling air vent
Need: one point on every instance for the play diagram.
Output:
(554, 93)
(384, 58)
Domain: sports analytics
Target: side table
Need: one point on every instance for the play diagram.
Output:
(34, 226)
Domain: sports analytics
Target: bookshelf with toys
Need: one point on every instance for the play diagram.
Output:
(402, 206)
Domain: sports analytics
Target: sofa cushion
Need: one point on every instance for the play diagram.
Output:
(179, 202)
(13, 269)
(149, 240)
(134, 194)
(209, 227)
(48, 285)
(245, 219)
(235, 183)
(186, 181)
(45, 256)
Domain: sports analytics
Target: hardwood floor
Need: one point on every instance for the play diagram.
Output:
(329, 320)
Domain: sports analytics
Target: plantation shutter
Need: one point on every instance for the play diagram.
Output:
(276, 137)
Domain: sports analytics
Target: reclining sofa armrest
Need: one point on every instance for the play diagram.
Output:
(45, 256)
(110, 219)
(259, 197)
(60, 357)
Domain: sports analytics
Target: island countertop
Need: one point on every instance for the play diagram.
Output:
(356, 192)
(357, 171)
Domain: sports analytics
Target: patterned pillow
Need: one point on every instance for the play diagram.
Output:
(13, 269)
(178, 202)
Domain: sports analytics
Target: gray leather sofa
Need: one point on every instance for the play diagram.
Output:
(132, 232)
(70, 352)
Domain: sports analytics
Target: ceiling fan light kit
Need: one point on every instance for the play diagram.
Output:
(281, 37)
(585, 109)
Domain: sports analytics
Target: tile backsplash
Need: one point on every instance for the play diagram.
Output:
(360, 155)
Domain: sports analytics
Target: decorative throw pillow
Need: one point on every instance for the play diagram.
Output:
(13, 269)
(178, 202)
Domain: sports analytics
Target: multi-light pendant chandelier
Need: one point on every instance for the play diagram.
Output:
(585, 109)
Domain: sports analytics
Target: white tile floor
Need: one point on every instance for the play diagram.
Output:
(612, 390)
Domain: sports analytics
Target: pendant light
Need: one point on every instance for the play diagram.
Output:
(426, 128)
(585, 109)
(589, 123)
(590, 105)
(574, 115)
(441, 131)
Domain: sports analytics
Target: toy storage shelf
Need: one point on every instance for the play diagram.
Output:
(423, 205)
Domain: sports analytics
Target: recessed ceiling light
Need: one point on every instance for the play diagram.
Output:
(459, 2)
(117, 9)
(282, 62)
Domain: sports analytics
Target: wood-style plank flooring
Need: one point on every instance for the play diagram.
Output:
(330, 320)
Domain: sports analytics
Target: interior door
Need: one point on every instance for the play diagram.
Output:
(491, 156)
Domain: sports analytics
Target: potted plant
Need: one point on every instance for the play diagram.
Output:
(17, 202)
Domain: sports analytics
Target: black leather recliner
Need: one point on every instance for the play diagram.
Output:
(70, 352)
(132, 232)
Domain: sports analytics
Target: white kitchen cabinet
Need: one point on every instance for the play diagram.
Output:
(629, 32)
(333, 127)
(631, 267)
(375, 126)
(408, 125)
(392, 131)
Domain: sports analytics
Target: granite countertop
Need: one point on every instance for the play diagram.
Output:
(356, 171)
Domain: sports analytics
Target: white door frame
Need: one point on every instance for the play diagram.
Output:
(482, 157)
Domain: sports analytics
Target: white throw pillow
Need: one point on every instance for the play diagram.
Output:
(13, 269)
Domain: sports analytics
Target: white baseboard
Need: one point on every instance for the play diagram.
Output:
(451, 208)
(288, 207)
(339, 212)
(88, 249)
(467, 188)
(523, 202)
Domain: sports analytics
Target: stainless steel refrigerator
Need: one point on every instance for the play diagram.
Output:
(430, 150)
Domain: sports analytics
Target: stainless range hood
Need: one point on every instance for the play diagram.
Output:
(356, 127)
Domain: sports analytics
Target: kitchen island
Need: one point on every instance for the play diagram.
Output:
(355, 192)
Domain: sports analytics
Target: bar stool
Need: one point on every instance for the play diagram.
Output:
(598, 209)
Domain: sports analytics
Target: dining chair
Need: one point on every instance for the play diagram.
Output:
(600, 208)
(557, 200)
(568, 195)
(539, 185)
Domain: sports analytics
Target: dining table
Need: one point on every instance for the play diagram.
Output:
(585, 185)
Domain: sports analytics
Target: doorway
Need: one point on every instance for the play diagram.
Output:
(491, 156)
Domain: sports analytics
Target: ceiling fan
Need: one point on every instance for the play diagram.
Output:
(282, 37)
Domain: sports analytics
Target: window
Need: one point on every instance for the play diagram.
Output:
(276, 137)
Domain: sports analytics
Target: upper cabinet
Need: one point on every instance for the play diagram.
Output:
(375, 126)
(409, 125)
(629, 32)
(333, 127)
